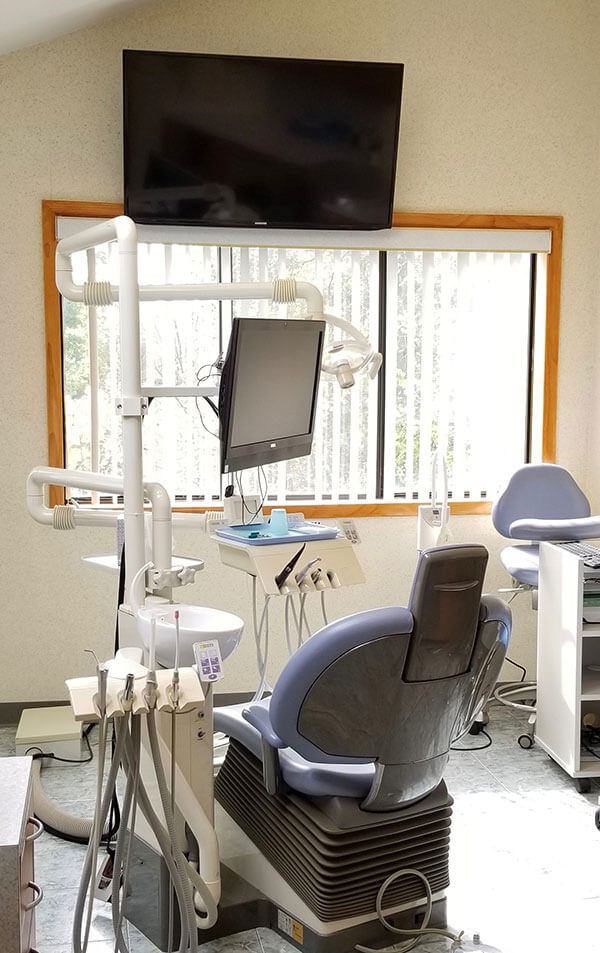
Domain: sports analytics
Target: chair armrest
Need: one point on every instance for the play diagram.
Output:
(258, 717)
(586, 527)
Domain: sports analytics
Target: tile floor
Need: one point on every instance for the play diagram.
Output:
(525, 856)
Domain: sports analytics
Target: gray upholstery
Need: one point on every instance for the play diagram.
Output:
(307, 777)
(544, 492)
(540, 502)
(369, 707)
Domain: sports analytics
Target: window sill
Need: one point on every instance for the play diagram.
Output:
(363, 510)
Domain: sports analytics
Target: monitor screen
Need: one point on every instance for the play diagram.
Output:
(259, 141)
(268, 392)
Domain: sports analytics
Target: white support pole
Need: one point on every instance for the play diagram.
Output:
(131, 406)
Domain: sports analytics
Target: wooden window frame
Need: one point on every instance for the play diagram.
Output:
(51, 210)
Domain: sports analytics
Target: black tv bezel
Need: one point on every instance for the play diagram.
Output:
(158, 220)
(262, 453)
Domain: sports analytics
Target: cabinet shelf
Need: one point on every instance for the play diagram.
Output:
(588, 760)
(590, 686)
(590, 630)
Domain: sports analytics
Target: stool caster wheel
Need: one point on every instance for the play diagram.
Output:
(597, 818)
(584, 785)
(525, 741)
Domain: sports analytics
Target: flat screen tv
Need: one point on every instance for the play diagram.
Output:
(268, 392)
(259, 141)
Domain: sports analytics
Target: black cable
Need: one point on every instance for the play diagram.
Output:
(43, 754)
(211, 404)
(199, 378)
(593, 738)
(516, 665)
(590, 750)
(120, 594)
(479, 747)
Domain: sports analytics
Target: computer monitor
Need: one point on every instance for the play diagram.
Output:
(268, 392)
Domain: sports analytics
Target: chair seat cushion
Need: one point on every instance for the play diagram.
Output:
(522, 563)
(306, 777)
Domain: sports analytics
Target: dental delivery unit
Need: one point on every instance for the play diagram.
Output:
(332, 819)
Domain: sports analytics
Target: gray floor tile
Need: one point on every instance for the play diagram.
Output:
(524, 857)
(246, 942)
(271, 942)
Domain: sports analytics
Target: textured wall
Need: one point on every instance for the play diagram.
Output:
(500, 115)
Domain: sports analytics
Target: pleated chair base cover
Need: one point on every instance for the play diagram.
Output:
(337, 871)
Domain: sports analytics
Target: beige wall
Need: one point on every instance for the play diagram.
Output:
(500, 115)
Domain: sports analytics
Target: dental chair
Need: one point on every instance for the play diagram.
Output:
(334, 782)
(541, 502)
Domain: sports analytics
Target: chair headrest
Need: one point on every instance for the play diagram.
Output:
(445, 602)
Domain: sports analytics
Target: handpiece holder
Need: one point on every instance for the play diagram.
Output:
(83, 694)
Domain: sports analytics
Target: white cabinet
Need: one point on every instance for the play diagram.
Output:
(568, 651)
(19, 893)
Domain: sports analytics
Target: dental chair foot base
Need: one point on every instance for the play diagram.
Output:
(243, 907)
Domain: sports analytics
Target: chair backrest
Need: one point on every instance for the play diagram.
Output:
(398, 685)
(539, 491)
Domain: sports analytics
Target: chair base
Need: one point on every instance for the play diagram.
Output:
(332, 855)
(315, 875)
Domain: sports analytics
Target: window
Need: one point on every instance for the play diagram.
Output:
(465, 353)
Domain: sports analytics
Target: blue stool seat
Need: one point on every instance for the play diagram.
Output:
(522, 563)
(308, 777)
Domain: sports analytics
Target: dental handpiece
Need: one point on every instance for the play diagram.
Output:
(289, 567)
(301, 576)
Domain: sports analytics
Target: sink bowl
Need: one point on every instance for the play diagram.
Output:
(196, 624)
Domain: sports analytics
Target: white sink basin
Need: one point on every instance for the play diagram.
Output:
(196, 624)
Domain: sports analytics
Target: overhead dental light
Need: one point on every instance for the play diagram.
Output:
(346, 357)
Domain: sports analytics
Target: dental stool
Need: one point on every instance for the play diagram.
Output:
(541, 502)
(337, 777)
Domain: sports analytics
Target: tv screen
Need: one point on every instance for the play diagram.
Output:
(259, 141)
(268, 392)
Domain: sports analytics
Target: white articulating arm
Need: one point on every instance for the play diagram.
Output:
(87, 516)
(342, 359)
(123, 230)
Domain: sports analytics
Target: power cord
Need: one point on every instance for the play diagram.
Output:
(40, 753)
(481, 731)
(516, 665)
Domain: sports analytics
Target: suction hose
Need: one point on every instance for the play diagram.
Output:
(54, 819)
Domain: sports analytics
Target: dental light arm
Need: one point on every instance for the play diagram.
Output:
(342, 359)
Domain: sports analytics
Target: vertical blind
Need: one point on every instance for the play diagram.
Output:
(456, 350)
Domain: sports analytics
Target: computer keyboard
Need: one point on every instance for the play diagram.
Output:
(589, 554)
